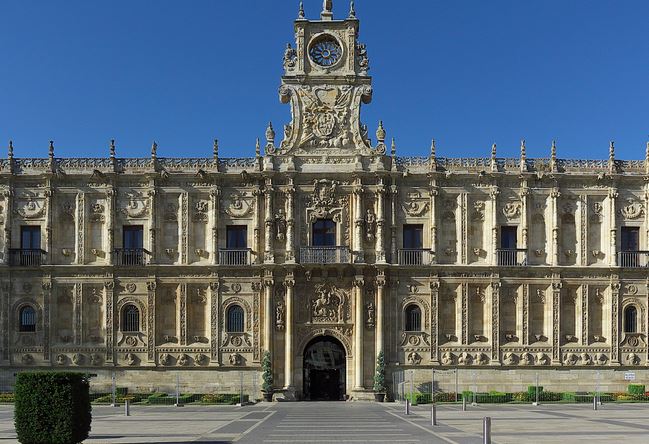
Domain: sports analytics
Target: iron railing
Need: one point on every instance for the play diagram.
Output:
(415, 257)
(26, 257)
(132, 256)
(511, 257)
(633, 259)
(235, 257)
(324, 255)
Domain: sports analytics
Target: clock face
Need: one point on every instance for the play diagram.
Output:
(325, 51)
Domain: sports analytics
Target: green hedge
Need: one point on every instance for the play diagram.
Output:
(52, 407)
(636, 389)
(223, 398)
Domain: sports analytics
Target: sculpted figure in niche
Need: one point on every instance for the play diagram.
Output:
(370, 224)
(279, 315)
(280, 225)
(370, 314)
(328, 305)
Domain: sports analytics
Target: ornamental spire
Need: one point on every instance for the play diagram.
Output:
(257, 148)
(154, 151)
(51, 152)
(327, 10)
(646, 159)
(215, 150)
(553, 157)
(611, 157)
(300, 14)
(10, 151)
(112, 149)
(494, 163)
(433, 150)
(352, 9)
(523, 156)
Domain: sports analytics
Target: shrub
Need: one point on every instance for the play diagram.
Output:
(6, 397)
(379, 376)
(550, 396)
(636, 389)
(223, 398)
(445, 397)
(267, 375)
(531, 390)
(52, 407)
(521, 396)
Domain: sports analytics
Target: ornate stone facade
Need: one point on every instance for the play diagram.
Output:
(557, 295)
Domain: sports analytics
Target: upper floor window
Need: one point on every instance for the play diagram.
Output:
(630, 239)
(630, 319)
(130, 319)
(30, 237)
(27, 319)
(133, 237)
(324, 233)
(234, 319)
(413, 237)
(413, 318)
(508, 238)
(236, 237)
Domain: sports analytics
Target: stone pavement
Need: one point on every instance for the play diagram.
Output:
(339, 422)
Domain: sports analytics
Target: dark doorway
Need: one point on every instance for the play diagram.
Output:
(324, 370)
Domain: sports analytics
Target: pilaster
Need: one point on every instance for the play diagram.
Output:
(184, 228)
(554, 196)
(359, 283)
(47, 309)
(269, 285)
(109, 288)
(380, 289)
(110, 221)
(434, 319)
(615, 320)
(269, 256)
(80, 229)
(556, 320)
(526, 314)
(434, 192)
(151, 320)
(584, 314)
(182, 314)
(290, 222)
(394, 195)
(215, 331)
(358, 191)
(76, 312)
(612, 200)
(153, 229)
(215, 194)
(495, 322)
(493, 194)
(465, 313)
(380, 224)
(289, 283)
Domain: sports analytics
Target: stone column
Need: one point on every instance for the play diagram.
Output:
(584, 314)
(215, 194)
(526, 314)
(48, 243)
(290, 222)
(556, 321)
(359, 283)
(109, 287)
(582, 240)
(215, 335)
(153, 229)
(434, 320)
(358, 223)
(612, 225)
(525, 196)
(76, 312)
(289, 283)
(182, 314)
(269, 284)
(554, 195)
(269, 257)
(258, 257)
(80, 229)
(465, 313)
(110, 229)
(380, 288)
(494, 224)
(47, 308)
(615, 320)
(464, 228)
(380, 224)
(434, 192)
(394, 192)
(495, 323)
(184, 227)
(6, 216)
(150, 329)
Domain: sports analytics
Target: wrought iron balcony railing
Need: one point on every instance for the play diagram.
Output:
(235, 257)
(511, 257)
(26, 257)
(132, 256)
(633, 259)
(415, 257)
(324, 255)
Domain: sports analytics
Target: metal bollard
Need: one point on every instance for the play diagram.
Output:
(127, 408)
(594, 402)
(486, 430)
(433, 414)
(407, 407)
(463, 404)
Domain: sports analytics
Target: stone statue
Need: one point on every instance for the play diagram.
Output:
(370, 314)
(370, 224)
(280, 225)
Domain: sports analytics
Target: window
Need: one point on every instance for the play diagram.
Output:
(413, 237)
(130, 319)
(236, 237)
(508, 238)
(27, 319)
(234, 322)
(630, 319)
(630, 239)
(324, 233)
(133, 237)
(413, 318)
(30, 237)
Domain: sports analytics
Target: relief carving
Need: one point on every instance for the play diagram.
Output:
(328, 304)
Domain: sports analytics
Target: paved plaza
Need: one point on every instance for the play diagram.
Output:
(339, 422)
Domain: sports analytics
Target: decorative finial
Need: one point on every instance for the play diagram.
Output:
(154, 151)
(553, 156)
(494, 163)
(215, 149)
(10, 154)
(300, 14)
(611, 157)
(523, 156)
(51, 149)
(380, 133)
(112, 149)
(352, 9)
(270, 134)
(433, 150)
(258, 148)
(393, 148)
(646, 160)
(327, 10)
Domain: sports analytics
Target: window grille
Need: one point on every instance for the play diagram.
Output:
(413, 318)
(234, 320)
(130, 319)
(27, 319)
(630, 319)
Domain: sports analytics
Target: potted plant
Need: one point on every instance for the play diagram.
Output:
(267, 376)
(379, 378)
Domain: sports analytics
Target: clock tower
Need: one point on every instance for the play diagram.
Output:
(325, 81)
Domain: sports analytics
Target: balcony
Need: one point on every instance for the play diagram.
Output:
(26, 257)
(415, 257)
(633, 259)
(324, 255)
(235, 257)
(511, 257)
(132, 257)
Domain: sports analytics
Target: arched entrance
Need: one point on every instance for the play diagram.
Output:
(324, 370)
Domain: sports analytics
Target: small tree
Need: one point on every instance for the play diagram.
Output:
(52, 407)
(379, 376)
(267, 376)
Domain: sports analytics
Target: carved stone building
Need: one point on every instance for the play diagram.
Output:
(325, 250)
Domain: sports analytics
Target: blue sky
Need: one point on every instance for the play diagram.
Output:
(468, 73)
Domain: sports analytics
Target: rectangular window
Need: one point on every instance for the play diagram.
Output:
(413, 237)
(630, 239)
(236, 237)
(30, 237)
(324, 233)
(133, 237)
(508, 238)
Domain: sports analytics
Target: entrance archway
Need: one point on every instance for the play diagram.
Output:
(324, 369)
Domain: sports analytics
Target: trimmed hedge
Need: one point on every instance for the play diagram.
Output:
(636, 389)
(52, 407)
